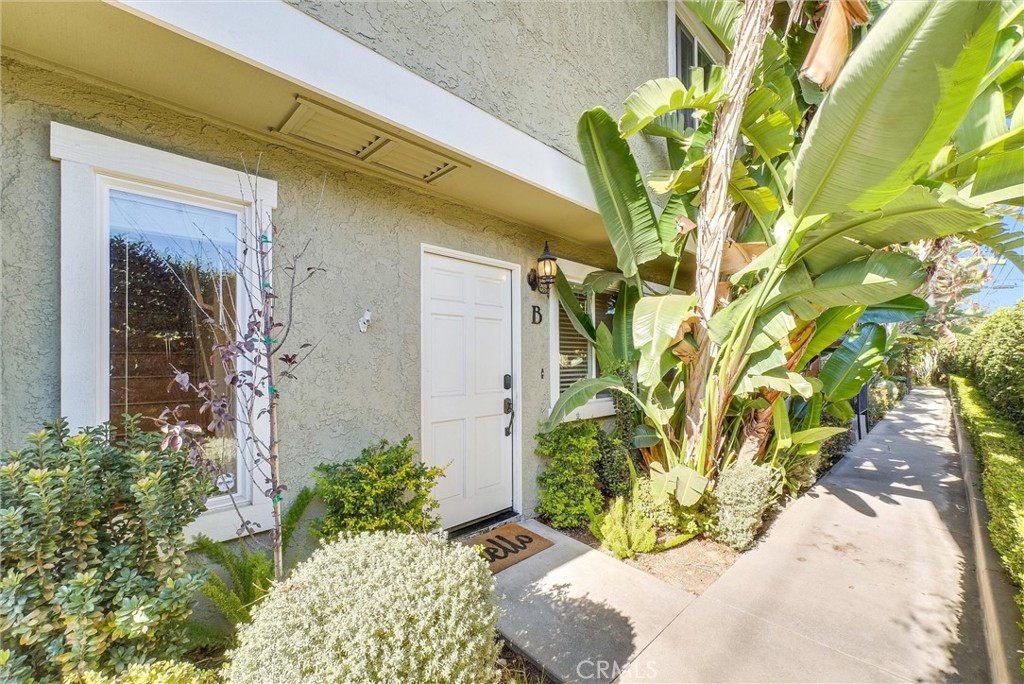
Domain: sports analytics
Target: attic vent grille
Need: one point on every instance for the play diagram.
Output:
(329, 130)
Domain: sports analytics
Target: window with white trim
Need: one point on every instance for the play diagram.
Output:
(689, 54)
(152, 245)
(573, 356)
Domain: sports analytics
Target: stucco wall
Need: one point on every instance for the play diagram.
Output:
(536, 65)
(358, 387)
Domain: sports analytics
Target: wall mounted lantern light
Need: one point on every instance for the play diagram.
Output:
(543, 277)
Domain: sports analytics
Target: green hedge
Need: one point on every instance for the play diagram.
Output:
(992, 356)
(1000, 449)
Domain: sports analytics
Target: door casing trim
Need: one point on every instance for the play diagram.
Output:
(517, 432)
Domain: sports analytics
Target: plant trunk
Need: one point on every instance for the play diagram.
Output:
(275, 483)
(715, 217)
(759, 429)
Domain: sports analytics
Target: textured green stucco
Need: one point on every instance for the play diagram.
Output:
(357, 387)
(535, 65)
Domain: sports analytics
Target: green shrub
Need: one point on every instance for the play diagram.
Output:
(993, 357)
(568, 483)
(999, 445)
(385, 488)
(745, 491)
(623, 529)
(94, 554)
(833, 448)
(249, 568)
(161, 672)
(882, 397)
(375, 607)
(613, 465)
(667, 515)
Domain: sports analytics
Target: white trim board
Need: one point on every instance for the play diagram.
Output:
(276, 37)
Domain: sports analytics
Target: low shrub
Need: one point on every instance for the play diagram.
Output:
(745, 491)
(161, 672)
(623, 529)
(667, 515)
(882, 397)
(568, 484)
(833, 448)
(999, 445)
(94, 555)
(613, 465)
(375, 607)
(385, 488)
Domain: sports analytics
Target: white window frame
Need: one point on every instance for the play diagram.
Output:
(91, 165)
(598, 407)
(677, 11)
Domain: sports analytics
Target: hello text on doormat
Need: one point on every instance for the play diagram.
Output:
(508, 544)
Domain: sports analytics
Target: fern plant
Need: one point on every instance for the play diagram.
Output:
(249, 569)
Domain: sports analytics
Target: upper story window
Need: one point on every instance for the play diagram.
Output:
(152, 248)
(573, 356)
(689, 54)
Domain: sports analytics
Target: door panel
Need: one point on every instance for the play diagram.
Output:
(467, 352)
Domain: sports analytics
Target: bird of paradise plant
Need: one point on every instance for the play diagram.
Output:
(920, 137)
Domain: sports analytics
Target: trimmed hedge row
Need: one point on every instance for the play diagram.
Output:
(999, 445)
(992, 356)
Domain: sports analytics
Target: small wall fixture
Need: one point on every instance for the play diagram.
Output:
(543, 277)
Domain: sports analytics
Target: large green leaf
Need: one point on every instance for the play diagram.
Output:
(601, 281)
(817, 434)
(622, 322)
(619, 189)
(683, 483)
(876, 279)
(851, 365)
(720, 16)
(899, 310)
(1004, 240)
(832, 324)
(668, 228)
(656, 322)
(660, 96)
(985, 121)
(577, 316)
(578, 394)
(1000, 179)
(917, 214)
(772, 135)
(901, 95)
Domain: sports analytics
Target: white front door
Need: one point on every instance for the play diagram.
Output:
(467, 354)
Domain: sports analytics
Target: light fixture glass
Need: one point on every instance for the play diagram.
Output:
(543, 277)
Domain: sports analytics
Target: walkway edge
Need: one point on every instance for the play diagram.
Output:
(999, 614)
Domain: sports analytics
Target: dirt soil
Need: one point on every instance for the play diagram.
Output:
(516, 669)
(693, 566)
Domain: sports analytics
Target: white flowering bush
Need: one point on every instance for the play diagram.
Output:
(375, 607)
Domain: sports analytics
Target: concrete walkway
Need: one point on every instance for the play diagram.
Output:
(866, 578)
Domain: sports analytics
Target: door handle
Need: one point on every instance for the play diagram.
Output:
(511, 413)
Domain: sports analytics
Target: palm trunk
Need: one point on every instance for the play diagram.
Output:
(715, 217)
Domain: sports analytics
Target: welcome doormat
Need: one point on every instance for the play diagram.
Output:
(508, 544)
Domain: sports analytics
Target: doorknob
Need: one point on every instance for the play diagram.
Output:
(511, 413)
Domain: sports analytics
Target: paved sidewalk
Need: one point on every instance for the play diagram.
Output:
(866, 578)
